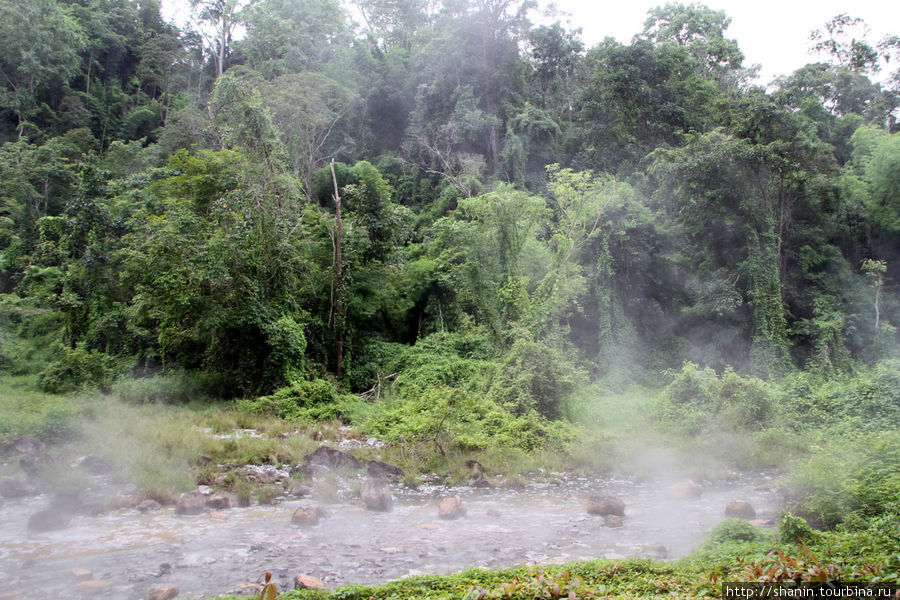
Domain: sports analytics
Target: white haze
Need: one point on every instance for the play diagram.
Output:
(772, 33)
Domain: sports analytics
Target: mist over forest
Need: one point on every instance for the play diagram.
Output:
(461, 232)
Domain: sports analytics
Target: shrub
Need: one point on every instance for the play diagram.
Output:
(851, 476)
(733, 530)
(793, 529)
(697, 400)
(77, 369)
(316, 399)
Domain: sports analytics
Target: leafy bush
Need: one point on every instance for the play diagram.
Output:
(698, 400)
(316, 399)
(442, 360)
(452, 418)
(733, 530)
(535, 376)
(77, 369)
(870, 397)
(793, 529)
(850, 477)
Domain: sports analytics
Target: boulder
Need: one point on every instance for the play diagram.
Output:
(265, 474)
(477, 479)
(613, 521)
(307, 513)
(218, 501)
(81, 574)
(376, 494)
(377, 468)
(684, 491)
(191, 503)
(740, 509)
(50, 519)
(164, 592)
(299, 490)
(149, 506)
(27, 445)
(451, 508)
(308, 582)
(605, 505)
(13, 488)
(34, 464)
(331, 459)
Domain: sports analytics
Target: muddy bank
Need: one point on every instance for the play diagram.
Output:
(128, 552)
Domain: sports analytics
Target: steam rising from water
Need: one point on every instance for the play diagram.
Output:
(212, 553)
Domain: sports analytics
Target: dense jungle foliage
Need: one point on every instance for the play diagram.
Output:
(443, 222)
(533, 213)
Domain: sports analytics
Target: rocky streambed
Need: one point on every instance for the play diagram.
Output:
(126, 553)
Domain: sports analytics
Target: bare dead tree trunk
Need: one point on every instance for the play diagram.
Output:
(339, 301)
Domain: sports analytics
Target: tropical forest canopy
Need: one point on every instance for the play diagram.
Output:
(508, 213)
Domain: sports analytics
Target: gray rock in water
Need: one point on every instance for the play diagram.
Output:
(606, 505)
(308, 513)
(685, 490)
(477, 479)
(163, 593)
(27, 445)
(331, 459)
(613, 521)
(740, 509)
(299, 490)
(149, 506)
(34, 464)
(377, 468)
(376, 494)
(191, 503)
(451, 508)
(50, 519)
(218, 501)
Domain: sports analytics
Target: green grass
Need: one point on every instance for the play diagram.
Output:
(28, 412)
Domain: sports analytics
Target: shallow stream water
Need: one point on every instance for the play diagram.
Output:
(128, 552)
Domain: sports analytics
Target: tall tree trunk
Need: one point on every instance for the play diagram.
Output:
(339, 284)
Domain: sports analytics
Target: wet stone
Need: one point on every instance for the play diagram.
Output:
(376, 494)
(685, 490)
(308, 582)
(218, 502)
(191, 503)
(149, 506)
(606, 505)
(163, 593)
(613, 521)
(49, 520)
(740, 509)
(451, 508)
(308, 513)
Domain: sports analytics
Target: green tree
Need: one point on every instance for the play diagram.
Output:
(292, 36)
(308, 109)
(38, 55)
